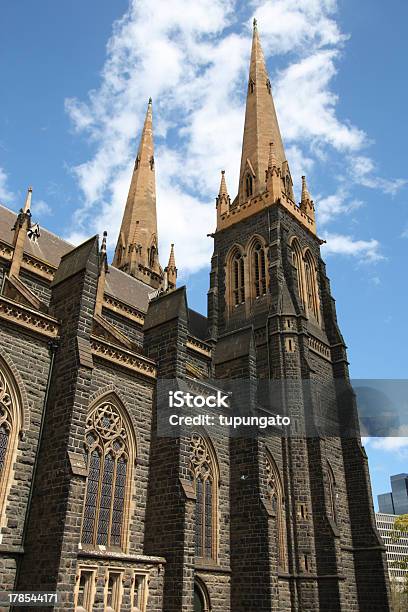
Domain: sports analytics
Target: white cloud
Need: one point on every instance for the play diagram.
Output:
(335, 204)
(362, 170)
(391, 444)
(307, 106)
(6, 196)
(290, 25)
(192, 58)
(40, 208)
(366, 251)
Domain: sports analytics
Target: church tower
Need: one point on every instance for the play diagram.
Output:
(303, 533)
(137, 248)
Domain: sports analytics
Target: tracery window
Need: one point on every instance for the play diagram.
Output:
(238, 278)
(9, 427)
(275, 493)
(249, 185)
(312, 301)
(204, 474)
(109, 456)
(259, 269)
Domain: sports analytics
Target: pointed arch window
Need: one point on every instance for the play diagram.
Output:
(203, 471)
(331, 484)
(251, 85)
(259, 269)
(276, 496)
(297, 261)
(312, 301)
(237, 279)
(201, 598)
(10, 423)
(249, 185)
(152, 256)
(110, 457)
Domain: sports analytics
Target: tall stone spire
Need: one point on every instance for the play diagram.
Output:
(137, 247)
(261, 126)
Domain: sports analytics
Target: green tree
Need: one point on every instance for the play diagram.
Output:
(399, 589)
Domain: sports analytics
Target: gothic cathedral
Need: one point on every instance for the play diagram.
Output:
(95, 504)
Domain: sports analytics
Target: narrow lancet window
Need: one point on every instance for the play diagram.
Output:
(249, 185)
(204, 475)
(297, 261)
(9, 429)
(312, 300)
(259, 269)
(275, 493)
(332, 493)
(238, 278)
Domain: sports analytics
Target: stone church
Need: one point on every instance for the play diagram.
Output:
(94, 503)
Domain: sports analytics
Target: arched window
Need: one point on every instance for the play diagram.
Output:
(259, 269)
(248, 185)
(312, 301)
(152, 256)
(275, 493)
(109, 452)
(331, 485)
(203, 471)
(10, 423)
(297, 261)
(201, 598)
(238, 278)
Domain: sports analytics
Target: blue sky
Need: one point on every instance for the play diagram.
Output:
(76, 77)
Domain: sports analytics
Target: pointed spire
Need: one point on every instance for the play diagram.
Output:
(172, 259)
(103, 270)
(27, 205)
(223, 185)
(171, 270)
(223, 200)
(137, 247)
(305, 192)
(261, 126)
(21, 228)
(306, 202)
(273, 175)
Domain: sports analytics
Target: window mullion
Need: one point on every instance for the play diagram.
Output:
(98, 498)
(113, 488)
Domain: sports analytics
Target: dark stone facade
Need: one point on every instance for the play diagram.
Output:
(332, 563)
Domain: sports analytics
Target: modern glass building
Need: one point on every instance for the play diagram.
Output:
(395, 502)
